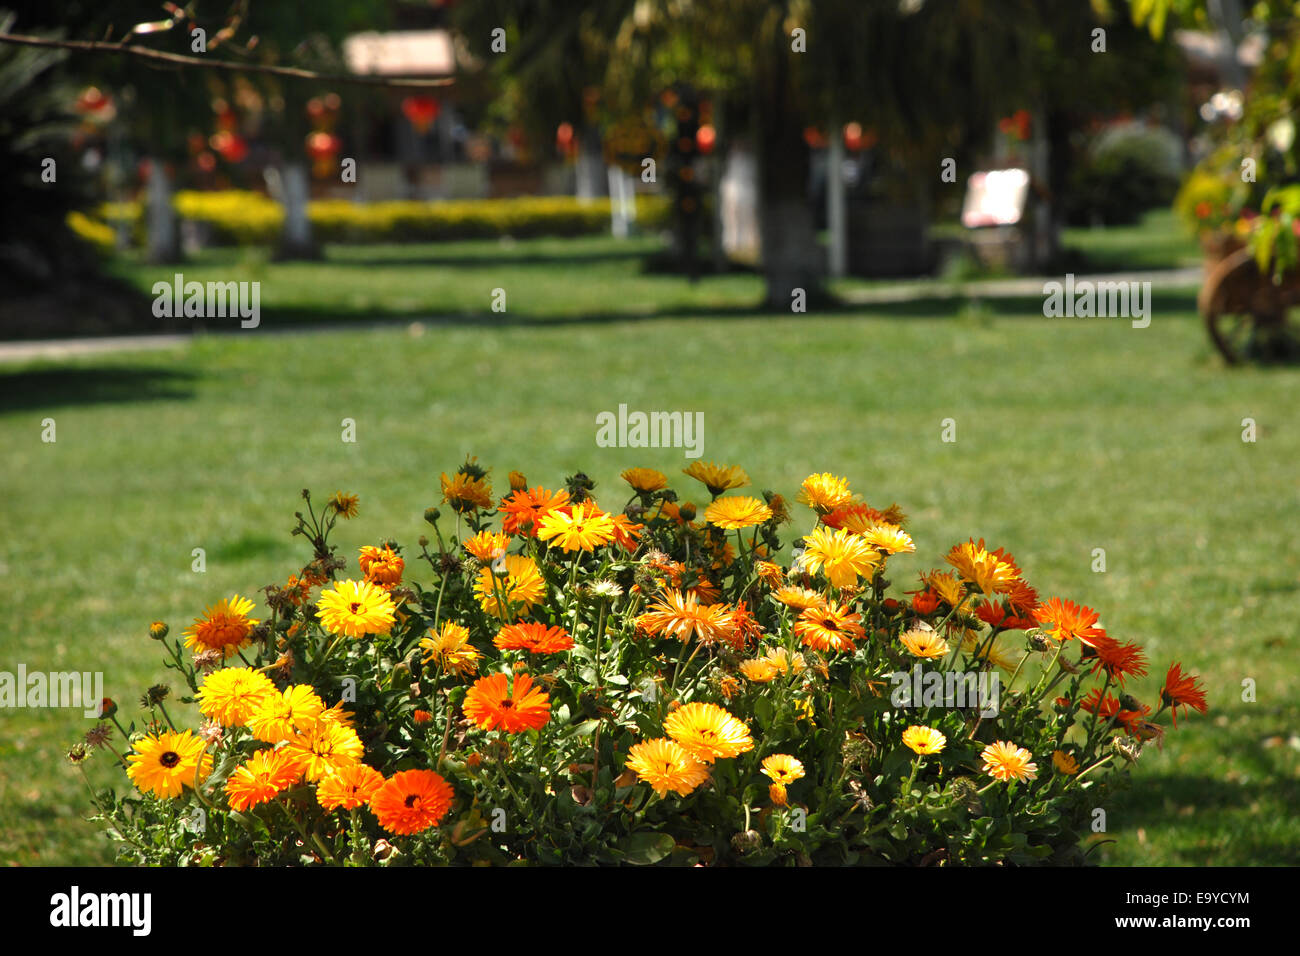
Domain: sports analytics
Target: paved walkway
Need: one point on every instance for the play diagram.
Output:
(891, 292)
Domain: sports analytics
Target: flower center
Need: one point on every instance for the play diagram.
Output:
(411, 799)
(169, 759)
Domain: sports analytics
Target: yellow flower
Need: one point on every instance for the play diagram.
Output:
(708, 732)
(889, 538)
(844, 556)
(230, 696)
(946, 585)
(825, 492)
(782, 768)
(924, 740)
(325, 748)
(450, 649)
(997, 652)
(1065, 763)
(382, 566)
(225, 627)
(468, 489)
(585, 529)
(717, 478)
(734, 512)
(759, 670)
(282, 716)
(345, 506)
(645, 480)
(988, 571)
(1005, 761)
(164, 764)
(521, 586)
(923, 642)
(799, 599)
(666, 765)
(487, 545)
(356, 608)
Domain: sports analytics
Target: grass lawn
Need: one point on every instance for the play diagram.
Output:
(1072, 435)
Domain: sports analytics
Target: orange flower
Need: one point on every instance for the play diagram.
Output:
(830, 628)
(487, 545)
(681, 616)
(1116, 659)
(261, 777)
(382, 566)
(411, 801)
(523, 511)
(491, 703)
(533, 637)
(349, 787)
(1064, 619)
(626, 531)
(1180, 690)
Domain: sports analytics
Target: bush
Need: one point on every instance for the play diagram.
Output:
(249, 218)
(640, 687)
(1127, 170)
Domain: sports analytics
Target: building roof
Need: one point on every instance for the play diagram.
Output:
(401, 53)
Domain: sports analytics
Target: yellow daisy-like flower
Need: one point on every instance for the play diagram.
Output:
(770, 573)
(844, 556)
(799, 599)
(521, 586)
(947, 586)
(225, 627)
(231, 696)
(584, 528)
(776, 792)
(356, 608)
(924, 740)
(717, 478)
(889, 538)
(451, 650)
(488, 545)
(338, 715)
(998, 653)
(645, 480)
(785, 661)
(923, 642)
(1065, 763)
(782, 768)
(345, 506)
(324, 749)
(681, 615)
(823, 493)
(165, 764)
(467, 491)
(666, 765)
(708, 732)
(282, 716)
(1005, 761)
(760, 670)
(734, 512)
(989, 572)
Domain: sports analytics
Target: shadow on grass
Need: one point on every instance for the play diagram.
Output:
(49, 388)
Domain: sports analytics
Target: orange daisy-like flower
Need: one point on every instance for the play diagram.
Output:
(1022, 598)
(344, 505)
(224, 627)
(770, 573)
(1116, 659)
(450, 650)
(324, 748)
(523, 511)
(946, 585)
(995, 614)
(859, 517)
(487, 545)
(924, 642)
(582, 527)
(666, 765)
(467, 490)
(492, 704)
(717, 478)
(1181, 690)
(707, 732)
(735, 512)
(1063, 620)
(349, 787)
(830, 628)
(799, 599)
(843, 555)
(925, 601)
(681, 616)
(1065, 763)
(260, 778)
(411, 801)
(1005, 761)
(824, 493)
(534, 638)
(645, 480)
(382, 566)
(626, 531)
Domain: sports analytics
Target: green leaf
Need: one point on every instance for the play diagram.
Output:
(646, 848)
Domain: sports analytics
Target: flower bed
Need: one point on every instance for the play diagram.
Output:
(553, 683)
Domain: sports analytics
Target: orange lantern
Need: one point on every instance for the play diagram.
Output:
(421, 111)
(322, 148)
(706, 137)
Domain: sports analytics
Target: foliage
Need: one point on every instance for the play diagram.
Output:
(1127, 170)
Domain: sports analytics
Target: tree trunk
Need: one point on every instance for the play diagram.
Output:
(296, 241)
(164, 237)
(792, 260)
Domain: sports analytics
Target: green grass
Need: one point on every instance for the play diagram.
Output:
(1072, 435)
(1159, 241)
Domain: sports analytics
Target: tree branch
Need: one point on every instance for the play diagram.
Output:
(177, 59)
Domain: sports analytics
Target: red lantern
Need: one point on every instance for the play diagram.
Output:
(93, 102)
(706, 137)
(421, 111)
(231, 146)
(322, 148)
(814, 138)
